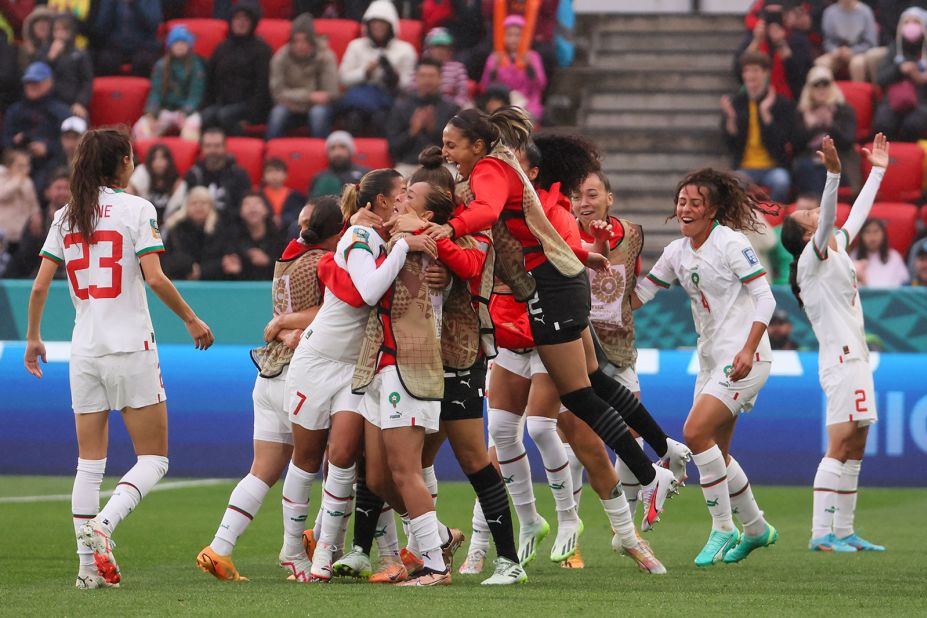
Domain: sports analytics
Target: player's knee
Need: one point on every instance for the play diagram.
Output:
(541, 428)
(157, 463)
(310, 462)
(695, 436)
(342, 455)
(504, 428)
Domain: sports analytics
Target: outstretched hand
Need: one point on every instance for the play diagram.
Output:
(878, 156)
(828, 155)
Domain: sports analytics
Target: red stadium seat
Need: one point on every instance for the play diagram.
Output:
(372, 152)
(339, 33)
(904, 179)
(924, 215)
(277, 9)
(901, 222)
(195, 9)
(412, 31)
(861, 96)
(118, 100)
(304, 157)
(275, 32)
(249, 152)
(184, 151)
(208, 32)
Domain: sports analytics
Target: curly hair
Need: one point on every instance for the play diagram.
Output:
(567, 159)
(735, 205)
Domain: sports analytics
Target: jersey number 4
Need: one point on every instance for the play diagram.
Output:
(110, 263)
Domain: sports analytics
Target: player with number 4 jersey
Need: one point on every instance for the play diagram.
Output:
(108, 241)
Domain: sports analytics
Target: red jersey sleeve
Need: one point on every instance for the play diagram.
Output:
(464, 263)
(568, 228)
(490, 186)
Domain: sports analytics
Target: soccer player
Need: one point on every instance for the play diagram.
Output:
(109, 243)
(823, 280)
(731, 305)
(296, 295)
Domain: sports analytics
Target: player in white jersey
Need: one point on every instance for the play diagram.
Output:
(297, 296)
(824, 282)
(108, 241)
(731, 306)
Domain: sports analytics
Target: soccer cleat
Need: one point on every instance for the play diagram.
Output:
(89, 579)
(473, 565)
(575, 561)
(92, 536)
(719, 543)
(676, 458)
(353, 564)
(428, 577)
(321, 569)
(748, 543)
(413, 563)
(297, 566)
(450, 548)
(309, 542)
(220, 567)
(389, 571)
(643, 555)
(567, 541)
(860, 544)
(654, 496)
(529, 537)
(506, 573)
(829, 542)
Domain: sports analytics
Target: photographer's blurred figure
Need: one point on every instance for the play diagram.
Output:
(780, 331)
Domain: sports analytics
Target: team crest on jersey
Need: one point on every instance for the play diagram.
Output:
(155, 232)
(695, 278)
(750, 254)
(361, 236)
(394, 398)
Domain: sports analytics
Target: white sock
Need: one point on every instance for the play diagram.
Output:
(713, 477)
(629, 483)
(826, 481)
(479, 540)
(425, 530)
(846, 498)
(85, 500)
(742, 501)
(576, 473)
(297, 486)
(620, 518)
(556, 464)
(337, 499)
(431, 482)
(506, 431)
(135, 485)
(386, 536)
(244, 504)
(411, 542)
(317, 526)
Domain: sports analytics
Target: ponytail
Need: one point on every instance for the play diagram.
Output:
(326, 219)
(793, 239)
(512, 125)
(372, 184)
(97, 163)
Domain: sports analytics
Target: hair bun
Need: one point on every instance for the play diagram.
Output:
(310, 237)
(431, 158)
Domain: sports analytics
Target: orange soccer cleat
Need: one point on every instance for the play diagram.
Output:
(220, 567)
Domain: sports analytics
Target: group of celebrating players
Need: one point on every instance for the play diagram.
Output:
(409, 304)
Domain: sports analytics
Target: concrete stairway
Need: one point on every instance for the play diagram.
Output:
(647, 93)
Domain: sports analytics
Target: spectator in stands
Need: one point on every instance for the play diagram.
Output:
(261, 242)
(194, 247)
(9, 74)
(178, 81)
(521, 73)
(758, 125)
(126, 32)
(375, 68)
(541, 20)
(34, 123)
(25, 261)
(158, 181)
(902, 114)
(877, 264)
(72, 129)
(217, 170)
(303, 82)
(780, 331)
(18, 199)
(37, 33)
(71, 67)
(918, 263)
(237, 90)
(822, 110)
(285, 203)
(418, 121)
(455, 84)
(494, 97)
(849, 30)
(340, 150)
(84, 13)
(789, 51)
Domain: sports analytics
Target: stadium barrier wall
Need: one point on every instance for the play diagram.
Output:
(209, 402)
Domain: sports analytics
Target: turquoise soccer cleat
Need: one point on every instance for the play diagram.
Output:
(719, 543)
(860, 544)
(748, 543)
(829, 542)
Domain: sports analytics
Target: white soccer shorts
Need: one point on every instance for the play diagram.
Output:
(115, 381)
(271, 417)
(388, 405)
(524, 365)
(318, 387)
(739, 396)
(850, 393)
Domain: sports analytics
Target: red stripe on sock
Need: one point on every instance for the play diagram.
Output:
(737, 493)
(501, 463)
(130, 485)
(713, 483)
(560, 468)
(334, 497)
(242, 511)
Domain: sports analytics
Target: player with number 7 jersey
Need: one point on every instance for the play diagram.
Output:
(108, 241)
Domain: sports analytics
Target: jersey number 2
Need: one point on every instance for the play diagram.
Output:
(861, 401)
(111, 263)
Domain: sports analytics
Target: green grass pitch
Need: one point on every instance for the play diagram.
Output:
(157, 545)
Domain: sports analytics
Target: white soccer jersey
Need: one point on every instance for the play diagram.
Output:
(105, 278)
(829, 291)
(715, 277)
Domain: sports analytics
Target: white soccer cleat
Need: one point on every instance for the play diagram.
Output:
(95, 538)
(676, 458)
(654, 496)
(89, 579)
(321, 569)
(297, 567)
(567, 540)
(355, 563)
(642, 554)
(506, 573)
(473, 565)
(529, 537)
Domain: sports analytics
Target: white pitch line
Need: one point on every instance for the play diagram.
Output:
(105, 494)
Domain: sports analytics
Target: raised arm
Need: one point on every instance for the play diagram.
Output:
(878, 158)
(830, 158)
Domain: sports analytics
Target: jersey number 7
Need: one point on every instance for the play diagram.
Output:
(110, 263)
